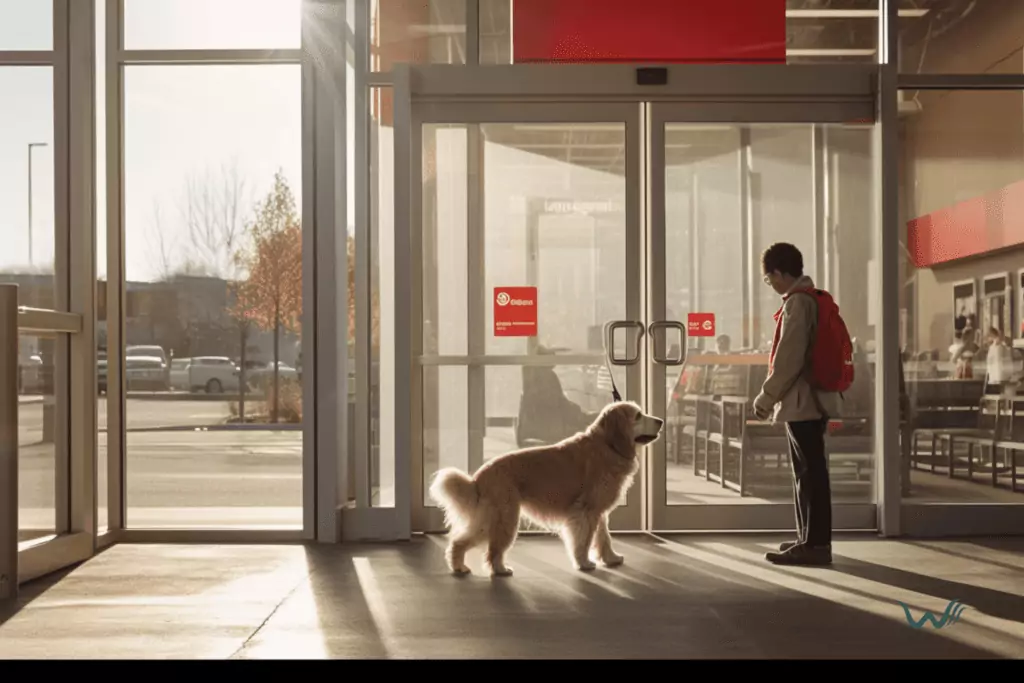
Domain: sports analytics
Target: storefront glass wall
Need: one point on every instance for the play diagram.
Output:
(209, 187)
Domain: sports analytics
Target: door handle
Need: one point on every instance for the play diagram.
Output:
(609, 341)
(666, 325)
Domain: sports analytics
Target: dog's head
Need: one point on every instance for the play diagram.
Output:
(624, 426)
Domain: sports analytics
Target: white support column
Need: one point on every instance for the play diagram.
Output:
(8, 441)
(325, 214)
(887, 251)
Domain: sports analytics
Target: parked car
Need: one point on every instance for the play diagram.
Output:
(146, 351)
(212, 374)
(30, 375)
(261, 375)
(144, 373)
(149, 352)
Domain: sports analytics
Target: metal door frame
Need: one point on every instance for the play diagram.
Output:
(70, 323)
(576, 94)
(426, 517)
(738, 516)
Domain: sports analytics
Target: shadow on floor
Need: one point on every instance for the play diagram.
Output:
(685, 597)
(30, 591)
(666, 602)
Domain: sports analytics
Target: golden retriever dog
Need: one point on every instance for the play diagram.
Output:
(569, 488)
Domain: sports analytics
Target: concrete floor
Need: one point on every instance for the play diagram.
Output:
(681, 597)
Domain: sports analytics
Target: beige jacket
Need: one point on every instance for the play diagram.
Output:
(786, 389)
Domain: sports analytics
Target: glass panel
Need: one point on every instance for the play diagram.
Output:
(961, 37)
(417, 32)
(717, 451)
(445, 421)
(444, 241)
(26, 25)
(212, 24)
(214, 271)
(27, 183)
(37, 438)
(552, 231)
(555, 219)
(961, 304)
(845, 31)
(382, 339)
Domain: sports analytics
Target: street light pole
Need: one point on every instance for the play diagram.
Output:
(30, 146)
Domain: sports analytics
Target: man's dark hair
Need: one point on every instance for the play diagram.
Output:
(783, 257)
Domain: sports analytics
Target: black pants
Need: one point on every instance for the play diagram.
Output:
(812, 493)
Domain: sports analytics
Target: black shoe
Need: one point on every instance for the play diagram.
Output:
(802, 555)
(783, 547)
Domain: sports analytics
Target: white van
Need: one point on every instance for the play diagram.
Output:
(212, 374)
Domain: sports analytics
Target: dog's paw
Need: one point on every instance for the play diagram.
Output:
(501, 571)
(587, 566)
(612, 560)
(460, 571)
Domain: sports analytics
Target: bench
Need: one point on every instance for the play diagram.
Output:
(939, 409)
(1009, 441)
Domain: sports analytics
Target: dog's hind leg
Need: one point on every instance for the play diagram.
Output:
(603, 544)
(502, 534)
(578, 534)
(455, 554)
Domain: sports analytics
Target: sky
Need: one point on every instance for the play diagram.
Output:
(183, 125)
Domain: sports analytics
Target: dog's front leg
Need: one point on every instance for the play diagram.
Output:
(578, 535)
(603, 544)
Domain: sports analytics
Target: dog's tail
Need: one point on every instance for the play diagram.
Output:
(456, 494)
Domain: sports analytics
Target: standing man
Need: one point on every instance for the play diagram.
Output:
(800, 391)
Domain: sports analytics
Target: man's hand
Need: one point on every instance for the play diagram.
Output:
(763, 407)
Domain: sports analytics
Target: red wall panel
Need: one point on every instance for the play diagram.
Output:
(969, 228)
(646, 31)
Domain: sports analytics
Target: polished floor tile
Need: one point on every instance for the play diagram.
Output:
(684, 597)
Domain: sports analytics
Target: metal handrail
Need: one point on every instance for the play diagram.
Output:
(46, 321)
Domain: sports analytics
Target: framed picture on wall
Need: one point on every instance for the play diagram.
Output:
(965, 305)
(1020, 309)
(996, 295)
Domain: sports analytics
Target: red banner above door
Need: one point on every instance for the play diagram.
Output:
(649, 31)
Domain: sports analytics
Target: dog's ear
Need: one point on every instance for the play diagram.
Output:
(616, 428)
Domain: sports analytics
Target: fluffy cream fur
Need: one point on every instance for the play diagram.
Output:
(569, 488)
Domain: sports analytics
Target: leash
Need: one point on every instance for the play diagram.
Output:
(611, 377)
(616, 396)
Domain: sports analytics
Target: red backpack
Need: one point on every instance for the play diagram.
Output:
(832, 351)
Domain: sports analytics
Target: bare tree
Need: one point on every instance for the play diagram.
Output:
(211, 228)
(205, 236)
(161, 247)
(214, 216)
